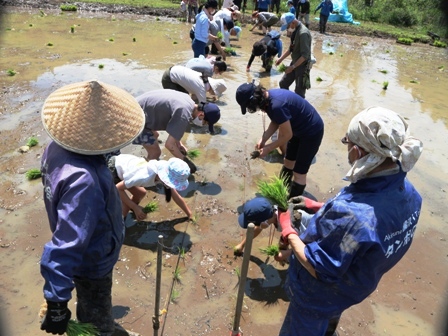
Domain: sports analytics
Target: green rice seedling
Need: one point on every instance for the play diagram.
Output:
(134, 39)
(72, 29)
(271, 250)
(219, 35)
(33, 174)
(405, 40)
(69, 8)
(193, 153)
(387, 51)
(182, 252)
(385, 85)
(175, 294)
(151, 207)
(274, 190)
(364, 43)
(111, 39)
(383, 71)
(229, 50)
(49, 44)
(42, 13)
(439, 44)
(32, 142)
(413, 81)
(176, 274)
(174, 42)
(11, 72)
(30, 24)
(342, 55)
(157, 19)
(331, 53)
(441, 67)
(318, 79)
(76, 328)
(237, 271)
(125, 54)
(281, 68)
(238, 24)
(101, 66)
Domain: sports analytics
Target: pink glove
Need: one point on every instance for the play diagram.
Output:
(284, 219)
(306, 204)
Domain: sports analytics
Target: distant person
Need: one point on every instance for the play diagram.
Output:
(275, 6)
(186, 80)
(84, 120)
(304, 12)
(358, 235)
(269, 46)
(134, 174)
(299, 126)
(262, 5)
(326, 8)
(300, 50)
(183, 9)
(291, 7)
(171, 111)
(205, 67)
(201, 32)
(264, 20)
(192, 6)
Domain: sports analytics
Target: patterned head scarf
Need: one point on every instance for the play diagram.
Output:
(383, 134)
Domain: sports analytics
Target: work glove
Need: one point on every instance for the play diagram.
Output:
(306, 204)
(190, 164)
(284, 219)
(56, 319)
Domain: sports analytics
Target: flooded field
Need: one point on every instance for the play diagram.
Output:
(132, 52)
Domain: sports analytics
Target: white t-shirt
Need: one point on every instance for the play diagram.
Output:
(190, 80)
(136, 171)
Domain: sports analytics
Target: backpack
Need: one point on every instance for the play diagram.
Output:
(272, 44)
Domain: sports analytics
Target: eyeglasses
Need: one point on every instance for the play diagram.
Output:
(345, 140)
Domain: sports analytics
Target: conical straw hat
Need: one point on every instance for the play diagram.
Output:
(92, 117)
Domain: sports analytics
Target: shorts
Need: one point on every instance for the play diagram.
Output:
(302, 150)
(145, 138)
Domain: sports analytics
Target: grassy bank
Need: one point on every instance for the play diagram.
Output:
(398, 18)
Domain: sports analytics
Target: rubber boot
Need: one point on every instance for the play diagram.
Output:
(286, 175)
(296, 189)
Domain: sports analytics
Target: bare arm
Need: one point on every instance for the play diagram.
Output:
(284, 135)
(174, 146)
(138, 210)
(178, 199)
(266, 135)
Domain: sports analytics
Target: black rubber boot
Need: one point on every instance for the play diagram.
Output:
(286, 175)
(296, 189)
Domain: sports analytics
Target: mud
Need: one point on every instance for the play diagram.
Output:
(410, 299)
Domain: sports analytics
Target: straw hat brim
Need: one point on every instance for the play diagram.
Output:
(92, 117)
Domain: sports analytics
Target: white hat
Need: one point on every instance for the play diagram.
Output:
(174, 173)
(92, 117)
(218, 86)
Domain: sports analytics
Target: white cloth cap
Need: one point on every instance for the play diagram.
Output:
(218, 86)
(383, 134)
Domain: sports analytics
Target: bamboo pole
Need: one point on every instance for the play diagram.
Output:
(155, 318)
(244, 269)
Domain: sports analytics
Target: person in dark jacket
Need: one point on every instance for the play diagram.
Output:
(267, 48)
(303, 8)
(299, 126)
(356, 237)
(326, 8)
(82, 202)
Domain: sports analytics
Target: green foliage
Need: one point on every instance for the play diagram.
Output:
(385, 85)
(49, 44)
(275, 191)
(219, 35)
(413, 81)
(175, 295)
(176, 274)
(33, 174)
(11, 72)
(76, 328)
(101, 66)
(383, 71)
(281, 68)
(405, 40)
(193, 153)
(271, 250)
(151, 207)
(32, 142)
(439, 44)
(69, 8)
(318, 79)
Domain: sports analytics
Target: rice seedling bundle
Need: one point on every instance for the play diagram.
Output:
(275, 191)
(33, 174)
(271, 250)
(281, 68)
(151, 207)
(193, 153)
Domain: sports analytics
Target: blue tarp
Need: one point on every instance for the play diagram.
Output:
(341, 7)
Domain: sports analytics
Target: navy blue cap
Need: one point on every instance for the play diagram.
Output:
(243, 94)
(211, 115)
(256, 210)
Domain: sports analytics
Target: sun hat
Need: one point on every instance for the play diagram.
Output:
(237, 31)
(256, 210)
(92, 117)
(212, 114)
(174, 173)
(243, 94)
(286, 19)
(218, 86)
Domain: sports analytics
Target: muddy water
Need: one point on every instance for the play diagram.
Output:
(134, 52)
